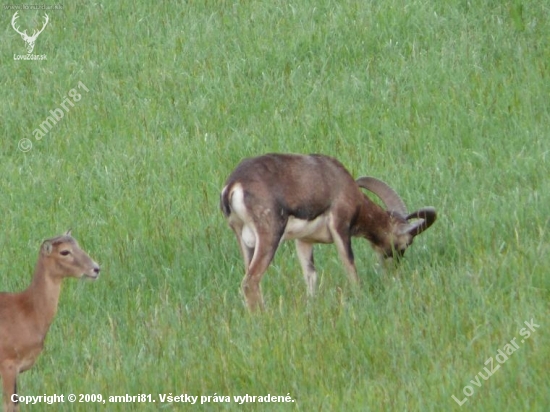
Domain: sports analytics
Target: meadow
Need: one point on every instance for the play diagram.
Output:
(449, 102)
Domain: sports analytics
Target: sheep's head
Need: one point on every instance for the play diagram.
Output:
(404, 226)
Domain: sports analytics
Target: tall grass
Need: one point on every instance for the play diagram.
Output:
(446, 101)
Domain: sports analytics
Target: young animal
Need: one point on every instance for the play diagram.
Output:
(312, 199)
(25, 317)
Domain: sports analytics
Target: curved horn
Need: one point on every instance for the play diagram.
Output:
(389, 196)
(427, 216)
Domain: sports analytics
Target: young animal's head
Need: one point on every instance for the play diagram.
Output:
(64, 258)
(403, 227)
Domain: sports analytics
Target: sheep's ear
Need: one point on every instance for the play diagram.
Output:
(68, 232)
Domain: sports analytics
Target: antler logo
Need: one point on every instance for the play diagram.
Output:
(30, 40)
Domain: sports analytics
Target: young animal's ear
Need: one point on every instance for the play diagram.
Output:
(47, 247)
(68, 233)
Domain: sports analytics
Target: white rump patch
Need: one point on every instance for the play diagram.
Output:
(240, 213)
(237, 202)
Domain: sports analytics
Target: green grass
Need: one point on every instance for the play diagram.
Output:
(448, 102)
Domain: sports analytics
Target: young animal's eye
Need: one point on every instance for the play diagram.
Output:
(65, 252)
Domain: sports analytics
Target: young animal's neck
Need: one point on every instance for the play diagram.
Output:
(42, 296)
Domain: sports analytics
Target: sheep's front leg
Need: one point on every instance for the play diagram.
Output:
(305, 254)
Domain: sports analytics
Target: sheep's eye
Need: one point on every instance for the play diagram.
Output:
(65, 252)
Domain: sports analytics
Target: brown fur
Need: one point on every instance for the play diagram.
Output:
(25, 317)
(279, 187)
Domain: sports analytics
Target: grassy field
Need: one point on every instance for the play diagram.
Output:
(448, 102)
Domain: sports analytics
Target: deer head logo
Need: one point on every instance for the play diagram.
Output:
(30, 40)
